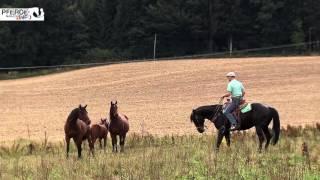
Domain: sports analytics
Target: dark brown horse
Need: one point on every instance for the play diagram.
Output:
(77, 127)
(100, 131)
(119, 126)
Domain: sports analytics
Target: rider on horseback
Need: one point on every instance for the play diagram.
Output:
(236, 91)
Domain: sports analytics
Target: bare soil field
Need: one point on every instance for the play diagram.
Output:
(157, 96)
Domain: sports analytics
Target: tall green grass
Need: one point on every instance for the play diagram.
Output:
(170, 157)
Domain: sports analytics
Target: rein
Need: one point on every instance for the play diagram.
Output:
(216, 111)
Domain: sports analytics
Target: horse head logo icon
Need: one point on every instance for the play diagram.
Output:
(36, 13)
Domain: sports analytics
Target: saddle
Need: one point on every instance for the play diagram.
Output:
(243, 104)
(243, 108)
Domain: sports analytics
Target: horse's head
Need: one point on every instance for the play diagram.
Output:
(36, 12)
(104, 122)
(83, 114)
(198, 121)
(114, 108)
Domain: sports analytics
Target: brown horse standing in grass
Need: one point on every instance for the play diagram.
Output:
(119, 126)
(77, 127)
(100, 131)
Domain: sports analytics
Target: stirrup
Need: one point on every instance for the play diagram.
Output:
(237, 127)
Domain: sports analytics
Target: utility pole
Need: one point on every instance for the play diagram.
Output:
(210, 25)
(310, 39)
(230, 45)
(154, 46)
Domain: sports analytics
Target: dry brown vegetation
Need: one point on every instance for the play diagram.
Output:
(157, 96)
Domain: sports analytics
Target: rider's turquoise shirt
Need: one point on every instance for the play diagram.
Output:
(236, 88)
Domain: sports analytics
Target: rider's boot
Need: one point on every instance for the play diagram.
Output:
(234, 125)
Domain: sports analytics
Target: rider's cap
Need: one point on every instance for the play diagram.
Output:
(231, 74)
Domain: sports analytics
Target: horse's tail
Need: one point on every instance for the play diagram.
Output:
(276, 125)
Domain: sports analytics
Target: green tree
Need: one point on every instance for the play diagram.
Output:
(310, 20)
(182, 26)
(100, 20)
(6, 43)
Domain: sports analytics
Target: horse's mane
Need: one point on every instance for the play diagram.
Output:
(73, 116)
(208, 110)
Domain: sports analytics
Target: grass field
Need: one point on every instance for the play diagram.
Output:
(157, 96)
(171, 157)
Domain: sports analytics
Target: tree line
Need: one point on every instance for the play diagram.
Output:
(77, 31)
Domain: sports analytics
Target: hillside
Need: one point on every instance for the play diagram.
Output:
(157, 96)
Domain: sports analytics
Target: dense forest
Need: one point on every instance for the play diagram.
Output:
(77, 31)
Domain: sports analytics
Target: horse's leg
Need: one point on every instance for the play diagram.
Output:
(114, 142)
(100, 143)
(104, 143)
(227, 136)
(261, 137)
(268, 136)
(68, 144)
(220, 137)
(79, 149)
(93, 141)
(122, 140)
(91, 145)
(78, 142)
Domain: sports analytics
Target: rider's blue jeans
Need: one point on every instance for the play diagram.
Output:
(230, 108)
